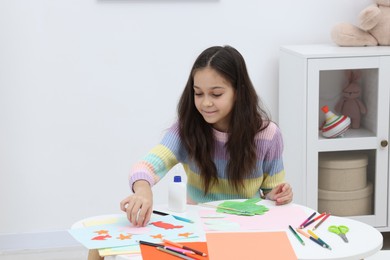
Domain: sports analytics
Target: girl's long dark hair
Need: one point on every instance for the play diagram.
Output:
(247, 119)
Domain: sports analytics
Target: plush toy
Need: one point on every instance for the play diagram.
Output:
(373, 29)
(350, 103)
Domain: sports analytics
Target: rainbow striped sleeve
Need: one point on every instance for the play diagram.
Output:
(159, 160)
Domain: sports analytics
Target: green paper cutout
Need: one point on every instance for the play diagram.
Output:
(244, 208)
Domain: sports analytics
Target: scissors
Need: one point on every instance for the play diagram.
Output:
(340, 230)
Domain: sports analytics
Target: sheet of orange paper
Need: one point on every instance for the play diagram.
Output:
(151, 253)
(250, 246)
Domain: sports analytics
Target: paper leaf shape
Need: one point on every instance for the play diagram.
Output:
(248, 207)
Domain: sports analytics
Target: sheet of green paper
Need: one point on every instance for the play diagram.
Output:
(250, 246)
(248, 206)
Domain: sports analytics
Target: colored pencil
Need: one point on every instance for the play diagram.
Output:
(304, 222)
(184, 247)
(302, 232)
(174, 253)
(176, 217)
(183, 219)
(194, 256)
(318, 242)
(160, 213)
(322, 220)
(315, 219)
(176, 249)
(179, 250)
(311, 238)
(296, 235)
(149, 243)
(319, 239)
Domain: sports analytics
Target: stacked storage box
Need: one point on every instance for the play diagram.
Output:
(343, 189)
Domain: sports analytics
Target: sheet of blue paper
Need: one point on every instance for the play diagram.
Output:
(122, 233)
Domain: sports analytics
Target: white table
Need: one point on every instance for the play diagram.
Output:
(364, 240)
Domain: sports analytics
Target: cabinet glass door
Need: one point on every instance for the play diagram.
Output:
(352, 169)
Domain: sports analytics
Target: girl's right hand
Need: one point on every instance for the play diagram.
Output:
(281, 194)
(139, 206)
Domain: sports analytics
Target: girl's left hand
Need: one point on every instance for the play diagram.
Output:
(281, 194)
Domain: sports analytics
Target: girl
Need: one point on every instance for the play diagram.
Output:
(228, 146)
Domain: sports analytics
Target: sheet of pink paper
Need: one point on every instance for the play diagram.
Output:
(277, 218)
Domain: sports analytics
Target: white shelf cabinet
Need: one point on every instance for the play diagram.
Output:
(312, 76)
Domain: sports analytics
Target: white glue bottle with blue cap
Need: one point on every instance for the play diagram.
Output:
(177, 195)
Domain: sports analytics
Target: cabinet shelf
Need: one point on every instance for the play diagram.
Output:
(353, 139)
(347, 144)
(352, 133)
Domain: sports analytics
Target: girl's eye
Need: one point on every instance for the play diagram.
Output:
(217, 95)
(198, 94)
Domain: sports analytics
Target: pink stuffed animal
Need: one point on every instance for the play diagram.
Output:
(373, 28)
(350, 104)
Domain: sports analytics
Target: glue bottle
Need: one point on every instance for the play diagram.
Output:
(177, 195)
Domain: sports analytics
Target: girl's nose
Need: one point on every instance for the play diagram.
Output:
(207, 102)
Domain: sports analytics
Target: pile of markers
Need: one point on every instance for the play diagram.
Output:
(310, 234)
(176, 249)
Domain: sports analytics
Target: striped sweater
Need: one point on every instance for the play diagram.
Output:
(269, 169)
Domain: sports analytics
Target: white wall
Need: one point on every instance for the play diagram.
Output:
(88, 86)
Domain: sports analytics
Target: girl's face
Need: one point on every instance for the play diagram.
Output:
(214, 98)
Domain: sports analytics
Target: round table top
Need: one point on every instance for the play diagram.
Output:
(364, 240)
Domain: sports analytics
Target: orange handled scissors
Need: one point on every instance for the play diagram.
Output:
(340, 230)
